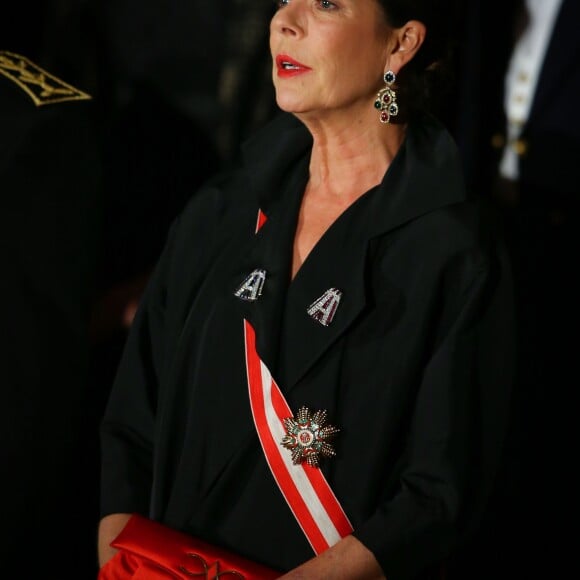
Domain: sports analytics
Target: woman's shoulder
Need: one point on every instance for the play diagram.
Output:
(462, 236)
(221, 206)
(467, 223)
(467, 226)
(234, 194)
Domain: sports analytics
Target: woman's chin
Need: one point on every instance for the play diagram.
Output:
(289, 108)
(292, 104)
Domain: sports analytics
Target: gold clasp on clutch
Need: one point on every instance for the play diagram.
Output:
(208, 572)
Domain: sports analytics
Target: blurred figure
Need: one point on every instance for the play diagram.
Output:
(208, 59)
(519, 133)
(182, 84)
(49, 170)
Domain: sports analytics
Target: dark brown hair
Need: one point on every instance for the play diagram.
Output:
(427, 78)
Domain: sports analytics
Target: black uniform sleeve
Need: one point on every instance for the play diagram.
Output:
(458, 428)
(127, 429)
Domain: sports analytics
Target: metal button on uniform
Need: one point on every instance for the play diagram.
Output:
(520, 146)
(523, 77)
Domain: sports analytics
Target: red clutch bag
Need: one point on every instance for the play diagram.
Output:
(149, 550)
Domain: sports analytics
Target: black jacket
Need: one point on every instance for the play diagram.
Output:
(49, 197)
(415, 368)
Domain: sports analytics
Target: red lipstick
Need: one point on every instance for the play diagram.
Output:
(288, 67)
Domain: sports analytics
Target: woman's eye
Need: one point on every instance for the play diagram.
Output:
(323, 4)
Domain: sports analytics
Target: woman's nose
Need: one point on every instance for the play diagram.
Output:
(289, 19)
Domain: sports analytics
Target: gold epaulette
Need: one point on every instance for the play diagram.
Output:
(42, 87)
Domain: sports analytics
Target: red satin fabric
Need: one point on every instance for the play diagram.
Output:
(151, 551)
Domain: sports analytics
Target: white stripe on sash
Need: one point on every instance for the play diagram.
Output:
(304, 488)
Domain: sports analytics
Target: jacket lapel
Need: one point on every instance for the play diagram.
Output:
(424, 175)
(276, 163)
(272, 251)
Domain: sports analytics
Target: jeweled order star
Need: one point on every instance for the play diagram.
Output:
(307, 437)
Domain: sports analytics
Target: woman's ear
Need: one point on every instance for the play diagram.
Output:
(406, 42)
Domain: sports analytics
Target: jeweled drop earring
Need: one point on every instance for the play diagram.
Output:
(386, 101)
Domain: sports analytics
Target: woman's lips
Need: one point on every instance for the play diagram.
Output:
(288, 67)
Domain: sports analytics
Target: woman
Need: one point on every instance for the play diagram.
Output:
(369, 288)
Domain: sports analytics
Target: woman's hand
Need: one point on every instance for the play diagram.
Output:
(347, 560)
(109, 528)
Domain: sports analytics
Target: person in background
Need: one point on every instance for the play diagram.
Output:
(318, 375)
(182, 83)
(519, 137)
(50, 176)
(148, 150)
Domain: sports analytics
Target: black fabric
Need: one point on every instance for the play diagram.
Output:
(539, 214)
(49, 187)
(415, 368)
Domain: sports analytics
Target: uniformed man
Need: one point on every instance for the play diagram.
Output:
(519, 133)
(48, 194)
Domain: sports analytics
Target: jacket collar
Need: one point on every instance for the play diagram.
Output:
(271, 155)
(424, 176)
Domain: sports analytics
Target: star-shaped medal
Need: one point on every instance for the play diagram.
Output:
(307, 437)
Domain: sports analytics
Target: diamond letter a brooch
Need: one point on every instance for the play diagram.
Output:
(251, 288)
(307, 437)
(324, 308)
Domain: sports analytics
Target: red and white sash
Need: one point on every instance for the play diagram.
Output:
(304, 488)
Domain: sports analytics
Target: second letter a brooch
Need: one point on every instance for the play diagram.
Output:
(324, 308)
(307, 437)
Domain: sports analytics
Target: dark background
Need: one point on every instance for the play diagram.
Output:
(177, 86)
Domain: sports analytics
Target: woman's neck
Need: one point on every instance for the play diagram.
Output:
(349, 158)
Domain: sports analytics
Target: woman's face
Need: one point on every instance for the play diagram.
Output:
(328, 56)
